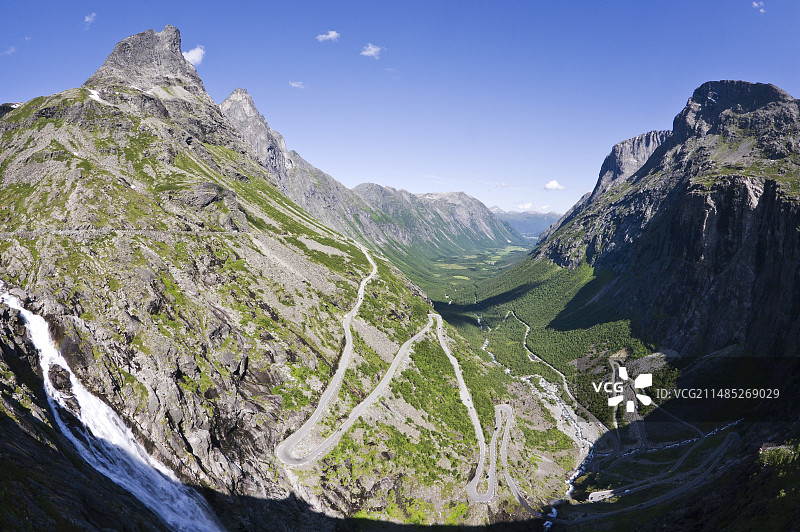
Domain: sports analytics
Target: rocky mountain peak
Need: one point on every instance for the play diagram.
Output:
(267, 144)
(148, 60)
(627, 157)
(713, 98)
(241, 101)
(710, 208)
(456, 198)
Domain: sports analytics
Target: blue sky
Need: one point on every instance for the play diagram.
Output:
(497, 99)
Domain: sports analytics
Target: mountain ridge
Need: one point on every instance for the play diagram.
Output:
(208, 308)
(530, 224)
(719, 189)
(361, 212)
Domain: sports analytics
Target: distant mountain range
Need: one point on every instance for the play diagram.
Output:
(396, 221)
(529, 224)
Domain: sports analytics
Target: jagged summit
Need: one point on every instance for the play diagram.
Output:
(627, 157)
(242, 100)
(714, 99)
(148, 60)
(147, 74)
(267, 144)
(727, 94)
(241, 105)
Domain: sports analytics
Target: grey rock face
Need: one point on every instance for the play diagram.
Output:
(711, 100)
(701, 236)
(627, 157)
(147, 73)
(266, 143)
(148, 60)
(45, 487)
(60, 378)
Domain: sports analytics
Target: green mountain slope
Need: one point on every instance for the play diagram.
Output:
(380, 216)
(206, 308)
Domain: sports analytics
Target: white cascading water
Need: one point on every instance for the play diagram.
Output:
(109, 446)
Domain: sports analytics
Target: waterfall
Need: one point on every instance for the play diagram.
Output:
(103, 440)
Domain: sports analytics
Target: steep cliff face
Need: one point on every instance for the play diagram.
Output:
(626, 158)
(267, 144)
(378, 215)
(703, 232)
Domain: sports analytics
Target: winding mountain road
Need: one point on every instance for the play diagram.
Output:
(701, 473)
(285, 448)
(503, 413)
(591, 417)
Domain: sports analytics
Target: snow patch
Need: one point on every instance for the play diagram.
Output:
(94, 95)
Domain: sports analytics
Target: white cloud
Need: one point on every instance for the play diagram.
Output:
(195, 55)
(544, 207)
(525, 206)
(370, 50)
(760, 7)
(88, 19)
(554, 185)
(297, 84)
(330, 36)
(11, 50)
